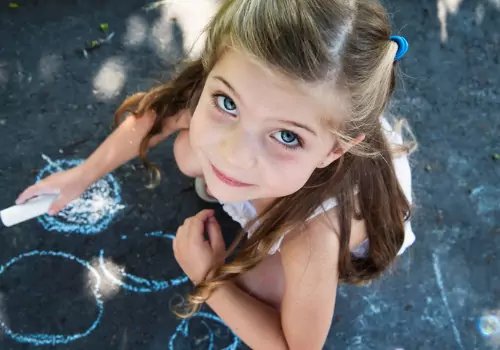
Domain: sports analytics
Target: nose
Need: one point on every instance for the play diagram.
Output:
(239, 148)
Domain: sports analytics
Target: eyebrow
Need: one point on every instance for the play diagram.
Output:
(229, 86)
(299, 125)
(296, 124)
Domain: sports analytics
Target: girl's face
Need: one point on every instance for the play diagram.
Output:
(259, 135)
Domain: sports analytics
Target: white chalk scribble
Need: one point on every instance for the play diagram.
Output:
(439, 280)
(92, 212)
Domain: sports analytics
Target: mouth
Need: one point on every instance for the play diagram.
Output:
(227, 179)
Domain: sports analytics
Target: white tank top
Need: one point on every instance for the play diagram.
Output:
(242, 212)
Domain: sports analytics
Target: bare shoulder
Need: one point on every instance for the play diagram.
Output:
(323, 232)
(319, 236)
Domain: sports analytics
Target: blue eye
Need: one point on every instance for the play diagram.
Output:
(226, 104)
(287, 138)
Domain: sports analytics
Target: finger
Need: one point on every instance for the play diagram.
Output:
(215, 236)
(30, 192)
(196, 224)
(174, 245)
(195, 234)
(204, 215)
(180, 236)
(35, 190)
(58, 205)
(177, 240)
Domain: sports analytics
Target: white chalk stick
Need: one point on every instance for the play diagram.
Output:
(28, 210)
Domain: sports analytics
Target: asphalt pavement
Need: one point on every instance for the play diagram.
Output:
(109, 280)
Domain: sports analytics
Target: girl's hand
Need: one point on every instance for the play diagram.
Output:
(196, 255)
(68, 184)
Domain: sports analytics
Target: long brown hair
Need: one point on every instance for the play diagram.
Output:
(345, 42)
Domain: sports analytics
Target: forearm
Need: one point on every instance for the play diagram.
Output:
(123, 145)
(254, 322)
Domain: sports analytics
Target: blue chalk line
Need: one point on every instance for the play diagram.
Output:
(183, 329)
(38, 339)
(143, 285)
(86, 226)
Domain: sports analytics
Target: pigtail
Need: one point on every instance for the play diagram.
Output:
(382, 203)
(384, 209)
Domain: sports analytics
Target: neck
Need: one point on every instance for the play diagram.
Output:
(262, 204)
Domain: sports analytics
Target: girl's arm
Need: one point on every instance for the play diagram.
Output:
(123, 144)
(310, 261)
(256, 323)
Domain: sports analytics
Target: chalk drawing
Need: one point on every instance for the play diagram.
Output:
(38, 339)
(489, 325)
(486, 200)
(208, 341)
(138, 284)
(356, 343)
(92, 212)
(374, 309)
(341, 291)
(439, 280)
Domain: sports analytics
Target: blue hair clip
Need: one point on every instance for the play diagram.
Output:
(402, 46)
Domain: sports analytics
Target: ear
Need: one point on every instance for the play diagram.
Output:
(338, 151)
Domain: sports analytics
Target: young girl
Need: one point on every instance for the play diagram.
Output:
(280, 121)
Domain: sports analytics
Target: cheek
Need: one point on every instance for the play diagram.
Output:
(286, 177)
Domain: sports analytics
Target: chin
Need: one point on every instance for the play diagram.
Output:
(229, 196)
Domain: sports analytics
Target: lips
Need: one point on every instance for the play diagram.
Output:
(227, 179)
